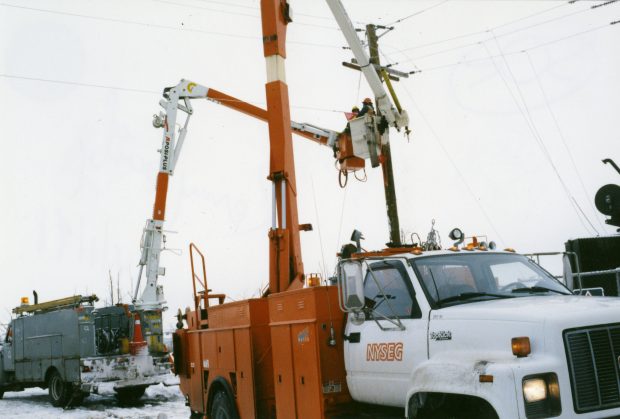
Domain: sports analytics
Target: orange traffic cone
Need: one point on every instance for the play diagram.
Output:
(138, 342)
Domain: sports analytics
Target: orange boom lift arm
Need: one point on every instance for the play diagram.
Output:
(284, 233)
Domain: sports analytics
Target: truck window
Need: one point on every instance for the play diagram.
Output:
(465, 278)
(392, 284)
(512, 272)
(450, 279)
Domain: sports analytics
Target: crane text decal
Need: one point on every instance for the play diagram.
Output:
(166, 152)
(390, 351)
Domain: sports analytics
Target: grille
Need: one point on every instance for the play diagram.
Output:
(593, 356)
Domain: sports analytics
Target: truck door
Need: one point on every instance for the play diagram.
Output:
(392, 339)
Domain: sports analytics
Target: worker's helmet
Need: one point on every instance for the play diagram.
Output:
(355, 109)
(368, 101)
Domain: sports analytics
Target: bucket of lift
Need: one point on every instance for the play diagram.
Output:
(366, 140)
(345, 155)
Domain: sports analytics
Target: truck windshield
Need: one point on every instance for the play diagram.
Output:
(461, 278)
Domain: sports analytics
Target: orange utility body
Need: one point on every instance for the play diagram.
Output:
(274, 355)
(280, 355)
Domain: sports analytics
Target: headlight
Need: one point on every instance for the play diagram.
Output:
(541, 394)
(534, 390)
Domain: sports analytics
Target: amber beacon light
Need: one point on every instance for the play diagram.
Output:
(521, 346)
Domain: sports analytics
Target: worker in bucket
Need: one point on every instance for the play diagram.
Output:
(350, 116)
(366, 107)
(354, 113)
(347, 130)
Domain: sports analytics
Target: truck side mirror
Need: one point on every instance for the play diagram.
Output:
(351, 286)
(567, 272)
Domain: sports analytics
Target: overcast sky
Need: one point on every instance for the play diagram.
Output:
(514, 108)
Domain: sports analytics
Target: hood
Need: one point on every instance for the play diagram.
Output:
(536, 309)
(489, 326)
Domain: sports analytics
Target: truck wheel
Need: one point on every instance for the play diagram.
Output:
(129, 395)
(222, 407)
(59, 391)
(415, 407)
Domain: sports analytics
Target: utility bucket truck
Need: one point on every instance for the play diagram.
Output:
(464, 332)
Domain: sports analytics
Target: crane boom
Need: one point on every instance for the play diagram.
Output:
(174, 99)
(395, 117)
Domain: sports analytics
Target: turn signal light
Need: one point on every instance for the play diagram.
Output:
(485, 378)
(521, 346)
(25, 300)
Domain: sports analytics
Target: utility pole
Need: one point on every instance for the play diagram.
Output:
(386, 164)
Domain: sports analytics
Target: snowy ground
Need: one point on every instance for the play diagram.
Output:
(159, 402)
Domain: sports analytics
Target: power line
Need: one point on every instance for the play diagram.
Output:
(568, 37)
(125, 21)
(607, 3)
(157, 26)
(157, 92)
(419, 12)
(527, 116)
(189, 6)
(521, 51)
(452, 162)
(75, 83)
(226, 3)
(254, 8)
(237, 13)
(561, 134)
(496, 36)
(467, 35)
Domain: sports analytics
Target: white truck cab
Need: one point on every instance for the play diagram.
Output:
(473, 333)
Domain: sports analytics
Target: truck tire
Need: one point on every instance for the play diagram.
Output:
(59, 390)
(222, 407)
(129, 395)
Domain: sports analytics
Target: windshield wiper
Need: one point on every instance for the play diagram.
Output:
(469, 295)
(537, 288)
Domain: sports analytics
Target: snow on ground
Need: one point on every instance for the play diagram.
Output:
(159, 402)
